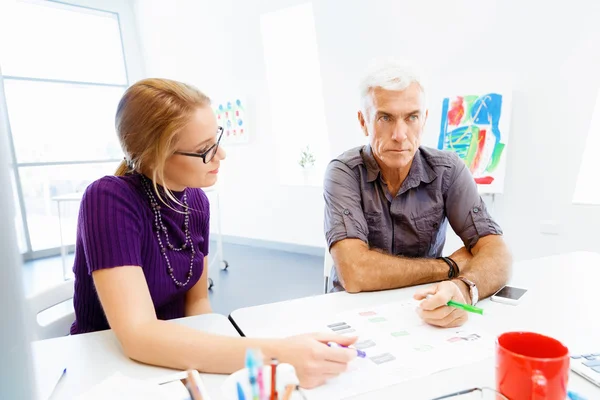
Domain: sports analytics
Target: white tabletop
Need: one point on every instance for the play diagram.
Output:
(92, 357)
(562, 302)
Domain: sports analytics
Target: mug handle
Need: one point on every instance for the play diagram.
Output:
(539, 385)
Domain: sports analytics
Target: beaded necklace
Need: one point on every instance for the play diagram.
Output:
(161, 228)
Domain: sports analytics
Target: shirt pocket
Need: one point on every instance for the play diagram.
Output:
(378, 231)
(428, 226)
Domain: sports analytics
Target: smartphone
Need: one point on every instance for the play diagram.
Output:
(509, 295)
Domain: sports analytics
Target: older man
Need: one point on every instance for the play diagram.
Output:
(387, 206)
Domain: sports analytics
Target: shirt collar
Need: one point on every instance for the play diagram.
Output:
(370, 163)
(420, 170)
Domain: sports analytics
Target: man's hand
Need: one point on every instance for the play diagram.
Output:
(434, 309)
(462, 257)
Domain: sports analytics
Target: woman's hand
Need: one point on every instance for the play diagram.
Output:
(315, 362)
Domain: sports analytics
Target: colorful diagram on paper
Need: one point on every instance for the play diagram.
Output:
(398, 346)
(231, 115)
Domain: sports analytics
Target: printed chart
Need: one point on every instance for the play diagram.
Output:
(399, 347)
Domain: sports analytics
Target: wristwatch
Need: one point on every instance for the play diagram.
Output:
(472, 289)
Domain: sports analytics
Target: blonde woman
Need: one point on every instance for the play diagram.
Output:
(142, 243)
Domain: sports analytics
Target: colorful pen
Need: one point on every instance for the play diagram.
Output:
(250, 368)
(58, 381)
(261, 384)
(359, 353)
(241, 395)
(574, 396)
(274, 364)
(466, 307)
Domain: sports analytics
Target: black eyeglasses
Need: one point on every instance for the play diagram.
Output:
(209, 154)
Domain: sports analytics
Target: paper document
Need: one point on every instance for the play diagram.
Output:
(399, 347)
(119, 386)
(175, 385)
(47, 381)
(48, 373)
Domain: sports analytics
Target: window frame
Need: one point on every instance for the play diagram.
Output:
(586, 166)
(290, 173)
(134, 70)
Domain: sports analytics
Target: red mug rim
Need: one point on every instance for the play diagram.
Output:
(566, 355)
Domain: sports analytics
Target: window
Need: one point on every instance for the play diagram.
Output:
(63, 70)
(295, 92)
(587, 190)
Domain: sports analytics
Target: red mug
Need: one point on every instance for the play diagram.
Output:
(530, 366)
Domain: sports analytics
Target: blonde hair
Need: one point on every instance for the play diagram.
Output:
(149, 117)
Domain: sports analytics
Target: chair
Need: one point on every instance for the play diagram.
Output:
(328, 263)
(47, 299)
(218, 254)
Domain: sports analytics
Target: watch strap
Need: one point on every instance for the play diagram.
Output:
(474, 293)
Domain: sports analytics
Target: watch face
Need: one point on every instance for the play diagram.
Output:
(472, 290)
(474, 295)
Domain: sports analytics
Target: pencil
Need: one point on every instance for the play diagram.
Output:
(193, 386)
(289, 389)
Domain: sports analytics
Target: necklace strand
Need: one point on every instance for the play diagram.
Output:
(160, 227)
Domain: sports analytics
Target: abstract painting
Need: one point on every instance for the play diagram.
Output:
(231, 115)
(476, 128)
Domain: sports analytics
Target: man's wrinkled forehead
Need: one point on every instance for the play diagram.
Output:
(395, 102)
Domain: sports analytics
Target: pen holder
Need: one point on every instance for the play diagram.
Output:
(285, 375)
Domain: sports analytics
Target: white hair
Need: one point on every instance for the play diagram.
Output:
(388, 75)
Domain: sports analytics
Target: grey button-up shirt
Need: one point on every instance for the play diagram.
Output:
(438, 189)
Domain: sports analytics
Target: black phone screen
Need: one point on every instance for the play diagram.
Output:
(510, 292)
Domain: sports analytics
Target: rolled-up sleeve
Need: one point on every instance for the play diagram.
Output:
(465, 209)
(344, 217)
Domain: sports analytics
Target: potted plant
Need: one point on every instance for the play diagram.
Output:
(307, 162)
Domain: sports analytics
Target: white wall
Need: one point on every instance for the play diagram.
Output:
(549, 53)
(218, 48)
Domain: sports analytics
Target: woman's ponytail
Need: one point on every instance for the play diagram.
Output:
(123, 168)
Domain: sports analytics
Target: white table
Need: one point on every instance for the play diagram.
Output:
(90, 358)
(562, 302)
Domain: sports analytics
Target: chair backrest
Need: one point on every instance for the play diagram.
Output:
(47, 299)
(327, 265)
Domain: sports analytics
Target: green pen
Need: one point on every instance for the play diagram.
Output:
(466, 307)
